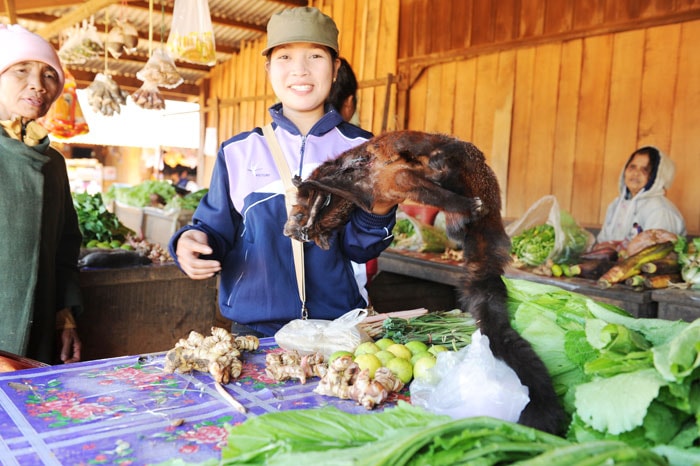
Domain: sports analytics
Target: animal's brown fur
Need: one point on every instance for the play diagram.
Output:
(445, 172)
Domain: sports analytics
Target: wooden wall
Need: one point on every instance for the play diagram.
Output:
(557, 93)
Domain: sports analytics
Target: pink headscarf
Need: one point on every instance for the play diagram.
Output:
(18, 44)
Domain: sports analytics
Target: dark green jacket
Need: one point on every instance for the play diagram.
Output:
(39, 246)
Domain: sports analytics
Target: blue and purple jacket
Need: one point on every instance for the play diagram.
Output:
(244, 214)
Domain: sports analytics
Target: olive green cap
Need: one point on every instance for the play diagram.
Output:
(303, 24)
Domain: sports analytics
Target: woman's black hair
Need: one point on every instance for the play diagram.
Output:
(345, 85)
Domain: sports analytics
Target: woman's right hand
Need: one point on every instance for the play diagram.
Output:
(190, 246)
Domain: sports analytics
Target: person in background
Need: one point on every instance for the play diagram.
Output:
(642, 203)
(237, 229)
(343, 96)
(40, 240)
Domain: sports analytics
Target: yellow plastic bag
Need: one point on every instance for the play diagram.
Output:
(191, 34)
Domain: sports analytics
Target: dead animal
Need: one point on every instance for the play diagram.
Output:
(451, 174)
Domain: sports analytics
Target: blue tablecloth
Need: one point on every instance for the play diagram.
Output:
(127, 411)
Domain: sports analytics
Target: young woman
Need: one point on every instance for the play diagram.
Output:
(642, 203)
(40, 238)
(237, 229)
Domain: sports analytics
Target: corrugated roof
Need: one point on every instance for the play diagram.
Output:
(233, 21)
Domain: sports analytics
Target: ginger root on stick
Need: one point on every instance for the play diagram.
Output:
(217, 354)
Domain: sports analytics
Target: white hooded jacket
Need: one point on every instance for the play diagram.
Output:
(649, 209)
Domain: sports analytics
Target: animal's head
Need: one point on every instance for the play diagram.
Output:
(316, 214)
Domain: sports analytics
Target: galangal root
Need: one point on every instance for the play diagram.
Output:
(290, 365)
(345, 380)
(217, 354)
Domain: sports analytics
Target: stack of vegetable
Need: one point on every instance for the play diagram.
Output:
(620, 378)
(99, 227)
(413, 235)
(538, 244)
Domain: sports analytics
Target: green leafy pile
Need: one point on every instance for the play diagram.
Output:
(412, 235)
(620, 377)
(97, 224)
(534, 245)
(140, 194)
(189, 201)
(407, 435)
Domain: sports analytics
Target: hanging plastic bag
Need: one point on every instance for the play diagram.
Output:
(160, 69)
(65, 117)
(191, 33)
(471, 382)
(148, 97)
(324, 336)
(570, 240)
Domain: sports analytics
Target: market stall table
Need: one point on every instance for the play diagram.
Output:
(126, 410)
(433, 267)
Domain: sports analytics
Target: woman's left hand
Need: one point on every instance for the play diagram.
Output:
(70, 345)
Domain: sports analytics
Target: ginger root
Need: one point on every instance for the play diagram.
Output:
(290, 365)
(217, 354)
(345, 380)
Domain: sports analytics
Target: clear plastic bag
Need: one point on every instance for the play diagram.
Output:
(160, 70)
(471, 382)
(570, 240)
(324, 336)
(191, 34)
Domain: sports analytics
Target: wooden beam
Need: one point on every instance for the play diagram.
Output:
(29, 6)
(81, 12)
(11, 12)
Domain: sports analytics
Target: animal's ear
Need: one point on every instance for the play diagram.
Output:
(296, 180)
(357, 194)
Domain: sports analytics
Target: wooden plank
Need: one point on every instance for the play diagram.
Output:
(465, 96)
(11, 11)
(462, 10)
(592, 119)
(623, 113)
(494, 107)
(541, 162)
(386, 62)
(532, 15)
(558, 16)
(567, 115)
(518, 175)
(370, 35)
(482, 22)
(418, 96)
(684, 148)
(588, 14)
(433, 112)
(658, 83)
(79, 13)
(506, 20)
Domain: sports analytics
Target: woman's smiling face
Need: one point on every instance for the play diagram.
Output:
(637, 173)
(27, 90)
(301, 74)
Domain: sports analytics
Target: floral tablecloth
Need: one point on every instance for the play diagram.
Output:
(127, 411)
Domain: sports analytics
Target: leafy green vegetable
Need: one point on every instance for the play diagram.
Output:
(140, 194)
(95, 221)
(629, 379)
(413, 235)
(534, 245)
(407, 435)
(188, 201)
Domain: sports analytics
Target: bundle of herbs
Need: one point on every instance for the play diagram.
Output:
(450, 328)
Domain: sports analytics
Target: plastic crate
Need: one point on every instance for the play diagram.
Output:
(159, 225)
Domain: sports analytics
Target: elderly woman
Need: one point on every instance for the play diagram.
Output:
(642, 203)
(39, 238)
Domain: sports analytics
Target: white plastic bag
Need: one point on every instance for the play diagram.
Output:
(570, 239)
(191, 34)
(471, 382)
(323, 336)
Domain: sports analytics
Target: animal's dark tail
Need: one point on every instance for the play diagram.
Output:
(484, 295)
